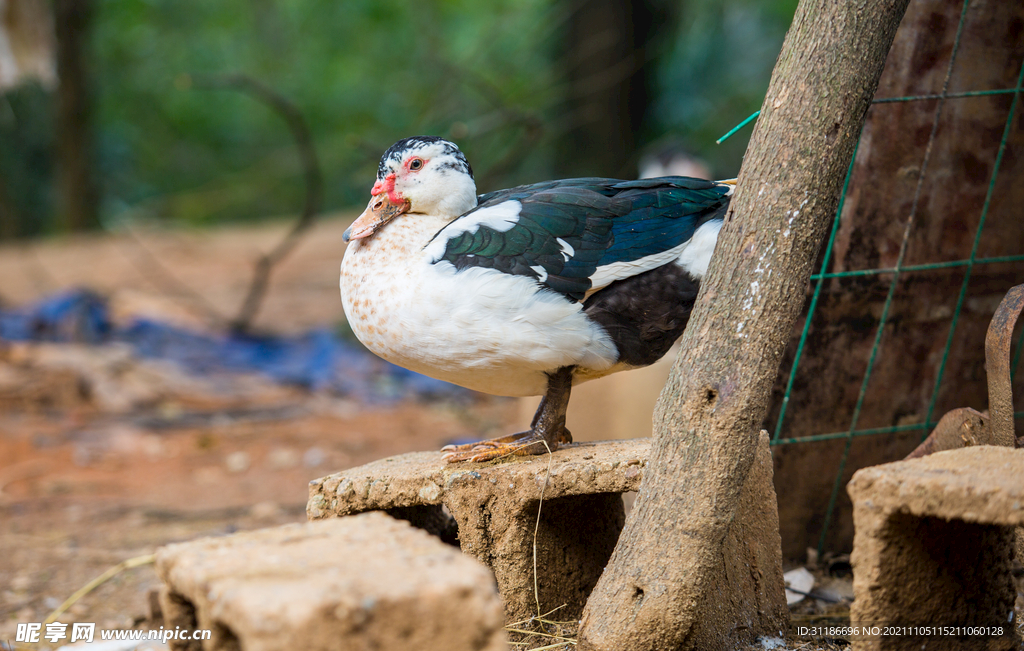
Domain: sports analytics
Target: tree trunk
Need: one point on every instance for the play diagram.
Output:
(79, 197)
(606, 48)
(653, 592)
(8, 215)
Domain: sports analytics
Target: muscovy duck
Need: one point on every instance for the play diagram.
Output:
(524, 291)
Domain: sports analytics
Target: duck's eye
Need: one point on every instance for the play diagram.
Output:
(415, 164)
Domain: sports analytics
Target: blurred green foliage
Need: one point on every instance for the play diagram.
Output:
(364, 73)
(717, 73)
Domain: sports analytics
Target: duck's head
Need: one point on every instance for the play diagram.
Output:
(422, 175)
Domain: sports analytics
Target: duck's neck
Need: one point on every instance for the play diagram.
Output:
(380, 275)
(400, 240)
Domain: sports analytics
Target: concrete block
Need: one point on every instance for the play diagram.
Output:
(933, 548)
(355, 584)
(495, 509)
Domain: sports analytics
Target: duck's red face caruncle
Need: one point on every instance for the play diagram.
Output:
(386, 203)
(387, 186)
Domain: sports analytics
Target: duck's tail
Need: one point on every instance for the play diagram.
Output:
(729, 182)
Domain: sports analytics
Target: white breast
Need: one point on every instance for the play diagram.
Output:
(478, 328)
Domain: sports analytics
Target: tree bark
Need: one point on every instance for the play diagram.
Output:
(79, 195)
(8, 215)
(654, 590)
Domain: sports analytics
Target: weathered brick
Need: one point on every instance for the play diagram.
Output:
(934, 546)
(354, 584)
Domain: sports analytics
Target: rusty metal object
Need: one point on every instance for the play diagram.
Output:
(997, 365)
(966, 427)
(959, 428)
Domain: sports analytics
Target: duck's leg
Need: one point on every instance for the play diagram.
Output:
(548, 425)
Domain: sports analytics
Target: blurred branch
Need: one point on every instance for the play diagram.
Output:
(311, 171)
(534, 129)
(148, 264)
(530, 121)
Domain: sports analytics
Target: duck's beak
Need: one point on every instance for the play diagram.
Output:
(378, 212)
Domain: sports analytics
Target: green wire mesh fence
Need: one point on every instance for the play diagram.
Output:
(898, 271)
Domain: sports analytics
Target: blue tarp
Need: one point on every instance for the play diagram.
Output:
(318, 359)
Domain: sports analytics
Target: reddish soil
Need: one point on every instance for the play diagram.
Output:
(80, 494)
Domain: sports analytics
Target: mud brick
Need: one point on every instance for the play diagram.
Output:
(369, 582)
(934, 546)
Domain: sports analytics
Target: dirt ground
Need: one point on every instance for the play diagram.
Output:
(81, 493)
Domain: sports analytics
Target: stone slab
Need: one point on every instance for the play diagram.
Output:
(423, 478)
(360, 583)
